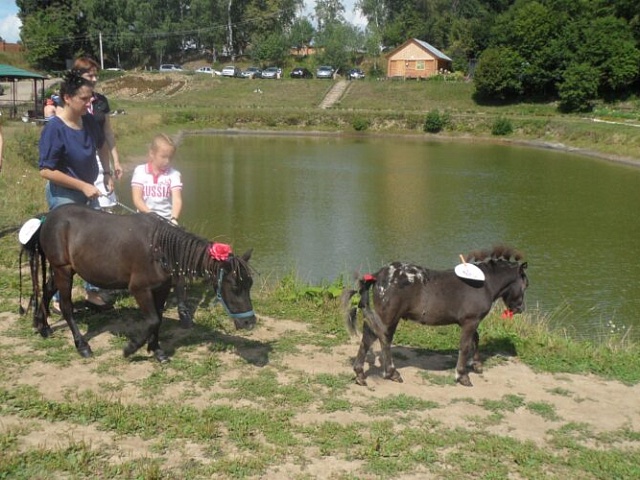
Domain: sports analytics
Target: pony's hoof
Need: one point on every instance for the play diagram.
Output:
(85, 352)
(477, 368)
(361, 381)
(186, 319)
(161, 356)
(129, 350)
(45, 332)
(464, 380)
(394, 377)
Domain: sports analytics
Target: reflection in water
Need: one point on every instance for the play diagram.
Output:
(324, 207)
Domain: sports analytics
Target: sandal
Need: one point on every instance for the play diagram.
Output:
(96, 303)
(55, 308)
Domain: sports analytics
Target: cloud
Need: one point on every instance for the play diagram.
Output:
(10, 28)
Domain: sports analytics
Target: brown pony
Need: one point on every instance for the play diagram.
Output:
(142, 253)
(432, 297)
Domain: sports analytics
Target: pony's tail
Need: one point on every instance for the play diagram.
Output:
(36, 258)
(351, 312)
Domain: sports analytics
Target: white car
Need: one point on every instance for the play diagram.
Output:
(231, 71)
(324, 71)
(208, 70)
(171, 67)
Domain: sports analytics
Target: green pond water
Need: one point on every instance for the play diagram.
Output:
(324, 207)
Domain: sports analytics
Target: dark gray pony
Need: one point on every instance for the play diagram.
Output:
(433, 297)
(142, 253)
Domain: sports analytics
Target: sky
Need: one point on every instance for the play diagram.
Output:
(10, 24)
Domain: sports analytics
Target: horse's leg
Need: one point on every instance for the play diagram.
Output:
(466, 344)
(147, 303)
(40, 316)
(153, 345)
(64, 281)
(180, 289)
(390, 372)
(476, 364)
(368, 337)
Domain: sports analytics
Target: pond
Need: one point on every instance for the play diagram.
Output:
(324, 207)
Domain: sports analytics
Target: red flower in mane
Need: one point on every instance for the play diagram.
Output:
(220, 251)
(367, 277)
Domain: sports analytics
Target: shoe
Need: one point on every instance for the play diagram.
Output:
(55, 308)
(96, 303)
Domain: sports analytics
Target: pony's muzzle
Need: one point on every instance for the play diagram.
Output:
(246, 323)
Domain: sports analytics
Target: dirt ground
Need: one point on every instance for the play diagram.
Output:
(605, 406)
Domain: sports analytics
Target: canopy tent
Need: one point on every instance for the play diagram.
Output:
(13, 75)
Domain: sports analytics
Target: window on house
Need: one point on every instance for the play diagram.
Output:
(420, 65)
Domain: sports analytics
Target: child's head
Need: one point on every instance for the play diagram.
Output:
(161, 151)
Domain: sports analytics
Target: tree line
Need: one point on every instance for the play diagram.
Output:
(574, 50)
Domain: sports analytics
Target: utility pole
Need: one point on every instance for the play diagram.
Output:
(101, 57)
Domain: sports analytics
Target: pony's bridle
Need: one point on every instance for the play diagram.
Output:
(219, 298)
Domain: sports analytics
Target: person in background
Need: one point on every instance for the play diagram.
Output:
(157, 187)
(99, 108)
(67, 156)
(49, 109)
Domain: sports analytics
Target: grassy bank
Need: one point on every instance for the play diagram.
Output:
(280, 402)
(367, 107)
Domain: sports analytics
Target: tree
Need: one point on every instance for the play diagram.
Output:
(48, 36)
(329, 12)
(579, 88)
(301, 33)
(271, 49)
(498, 74)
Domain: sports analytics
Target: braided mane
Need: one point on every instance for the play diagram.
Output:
(186, 254)
(499, 252)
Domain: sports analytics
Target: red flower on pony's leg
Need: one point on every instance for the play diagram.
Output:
(220, 251)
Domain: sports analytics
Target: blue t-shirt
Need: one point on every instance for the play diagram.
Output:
(71, 151)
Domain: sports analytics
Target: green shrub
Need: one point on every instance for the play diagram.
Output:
(435, 121)
(501, 126)
(360, 124)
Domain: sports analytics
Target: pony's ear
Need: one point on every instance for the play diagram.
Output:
(523, 267)
(247, 255)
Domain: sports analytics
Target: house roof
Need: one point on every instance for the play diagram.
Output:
(9, 71)
(425, 46)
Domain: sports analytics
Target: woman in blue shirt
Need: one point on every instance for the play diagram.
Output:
(68, 146)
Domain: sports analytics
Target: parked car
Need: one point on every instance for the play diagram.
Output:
(355, 74)
(271, 72)
(324, 71)
(171, 67)
(300, 72)
(231, 71)
(251, 72)
(208, 70)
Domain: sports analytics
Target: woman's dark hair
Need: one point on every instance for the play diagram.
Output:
(72, 82)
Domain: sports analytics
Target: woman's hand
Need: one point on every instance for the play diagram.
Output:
(108, 182)
(117, 170)
(91, 191)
